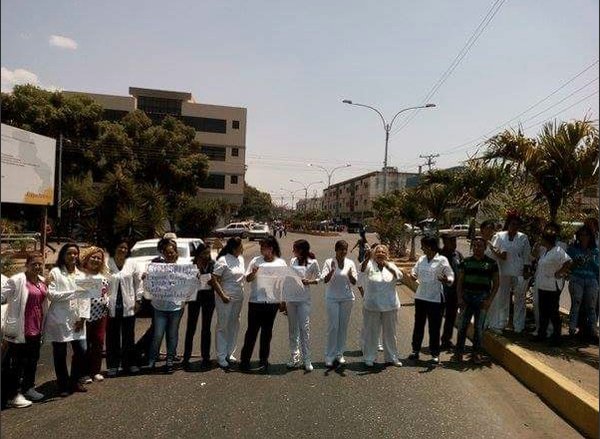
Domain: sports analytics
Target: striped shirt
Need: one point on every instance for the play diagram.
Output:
(478, 275)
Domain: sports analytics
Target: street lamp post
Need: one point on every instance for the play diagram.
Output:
(306, 186)
(387, 127)
(329, 173)
(292, 194)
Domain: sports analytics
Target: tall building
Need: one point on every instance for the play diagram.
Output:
(308, 204)
(352, 200)
(221, 130)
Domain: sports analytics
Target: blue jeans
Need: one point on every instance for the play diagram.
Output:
(472, 308)
(584, 295)
(165, 321)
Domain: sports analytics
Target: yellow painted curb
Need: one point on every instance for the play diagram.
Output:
(572, 402)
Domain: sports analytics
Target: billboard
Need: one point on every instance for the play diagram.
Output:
(28, 163)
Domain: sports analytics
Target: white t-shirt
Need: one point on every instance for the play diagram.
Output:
(548, 264)
(428, 273)
(231, 271)
(263, 292)
(339, 288)
(380, 287)
(518, 253)
(310, 271)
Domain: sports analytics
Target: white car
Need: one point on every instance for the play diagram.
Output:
(258, 231)
(457, 230)
(144, 251)
(234, 229)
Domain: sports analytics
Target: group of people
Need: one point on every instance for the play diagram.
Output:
(57, 309)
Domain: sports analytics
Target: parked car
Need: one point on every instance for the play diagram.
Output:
(258, 231)
(458, 230)
(234, 229)
(144, 251)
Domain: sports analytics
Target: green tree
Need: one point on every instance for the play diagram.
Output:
(197, 217)
(257, 204)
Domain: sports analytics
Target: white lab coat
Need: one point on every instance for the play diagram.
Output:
(15, 294)
(130, 279)
(3, 306)
(65, 308)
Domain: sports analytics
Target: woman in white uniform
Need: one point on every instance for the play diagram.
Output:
(229, 272)
(298, 310)
(340, 275)
(381, 305)
(65, 321)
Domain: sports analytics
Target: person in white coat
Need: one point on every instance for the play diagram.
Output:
(339, 274)
(126, 296)
(298, 310)
(515, 270)
(381, 305)
(229, 272)
(26, 297)
(65, 321)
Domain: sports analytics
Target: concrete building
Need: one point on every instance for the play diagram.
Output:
(221, 130)
(308, 204)
(352, 200)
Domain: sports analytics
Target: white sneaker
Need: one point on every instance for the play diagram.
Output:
(33, 395)
(98, 377)
(435, 360)
(380, 348)
(308, 366)
(341, 360)
(20, 402)
(369, 363)
(232, 359)
(397, 362)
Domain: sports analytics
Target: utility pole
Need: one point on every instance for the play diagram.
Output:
(429, 159)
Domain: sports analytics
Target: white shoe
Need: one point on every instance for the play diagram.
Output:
(20, 402)
(33, 395)
(435, 360)
(98, 377)
(85, 380)
(369, 363)
(341, 360)
(232, 359)
(380, 348)
(308, 366)
(396, 362)
(329, 363)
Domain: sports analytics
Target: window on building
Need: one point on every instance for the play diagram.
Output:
(114, 115)
(153, 105)
(234, 179)
(214, 181)
(235, 124)
(215, 153)
(206, 124)
(235, 152)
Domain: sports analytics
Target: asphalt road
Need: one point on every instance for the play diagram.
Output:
(413, 401)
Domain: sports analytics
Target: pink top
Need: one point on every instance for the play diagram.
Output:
(34, 313)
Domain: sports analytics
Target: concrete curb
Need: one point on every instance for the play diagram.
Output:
(573, 403)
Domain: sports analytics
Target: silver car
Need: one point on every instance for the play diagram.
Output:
(258, 231)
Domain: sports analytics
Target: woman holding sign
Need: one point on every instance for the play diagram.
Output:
(339, 274)
(431, 271)
(65, 322)
(265, 300)
(298, 308)
(381, 305)
(229, 273)
(94, 265)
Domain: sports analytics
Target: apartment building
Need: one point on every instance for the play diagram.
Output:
(352, 200)
(309, 204)
(220, 129)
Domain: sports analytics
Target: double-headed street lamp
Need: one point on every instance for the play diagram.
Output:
(292, 194)
(329, 172)
(306, 186)
(387, 127)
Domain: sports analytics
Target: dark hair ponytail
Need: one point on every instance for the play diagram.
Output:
(232, 243)
(303, 248)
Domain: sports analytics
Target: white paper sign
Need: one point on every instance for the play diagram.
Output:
(280, 284)
(92, 286)
(171, 282)
(204, 280)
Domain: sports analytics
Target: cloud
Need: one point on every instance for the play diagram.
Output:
(10, 78)
(63, 42)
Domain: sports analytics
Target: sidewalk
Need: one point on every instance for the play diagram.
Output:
(565, 377)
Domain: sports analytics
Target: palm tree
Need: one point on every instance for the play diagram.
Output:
(561, 160)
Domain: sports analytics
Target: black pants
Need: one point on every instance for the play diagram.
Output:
(206, 302)
(450, 310)
(22, 365)
(59, 352)
(549, 312)
(261, 316)
(143, 345)
(120, 342)
(430, 312)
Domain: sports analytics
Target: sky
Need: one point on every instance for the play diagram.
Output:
(292, 64)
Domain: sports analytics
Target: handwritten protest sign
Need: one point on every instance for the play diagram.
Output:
(280, 284)
(171, 282)
(89, 288)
